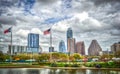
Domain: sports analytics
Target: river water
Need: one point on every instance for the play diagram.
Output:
(55, 71)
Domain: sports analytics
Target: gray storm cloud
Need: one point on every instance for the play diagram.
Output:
(47, 1)
(9, 20)
(99, 2)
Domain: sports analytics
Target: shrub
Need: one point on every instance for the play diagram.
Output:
(103, 64)
(60, 65)
(98, 66)
(89, 64)
(75, 65)
(44, 63)
(117, 64)
(53, 65)
(67, 65)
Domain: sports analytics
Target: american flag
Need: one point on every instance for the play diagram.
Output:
(47, 31)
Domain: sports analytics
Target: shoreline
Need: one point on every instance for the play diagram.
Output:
(66, 68)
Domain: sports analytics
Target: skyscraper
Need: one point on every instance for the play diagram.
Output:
(94, 48)
(33, 42)
(71, 45)
(80, 48)
(69, 33)
(115, 47)
(70, 41)
(62, 46)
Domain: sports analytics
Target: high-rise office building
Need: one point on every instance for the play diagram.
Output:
(80, 48)
(115, 47)
(69, 33)
(70, 41)
(94, 48)
(71, 45)
(62, 46)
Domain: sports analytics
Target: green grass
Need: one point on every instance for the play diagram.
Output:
(18, 64)
(62, 64)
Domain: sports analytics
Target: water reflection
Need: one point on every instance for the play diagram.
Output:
(55, 71)
(61, 71)
(32, 71)
(12, 71)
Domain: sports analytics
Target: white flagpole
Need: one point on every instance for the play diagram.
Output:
(11, 47)
(50, 44)
(50, 37)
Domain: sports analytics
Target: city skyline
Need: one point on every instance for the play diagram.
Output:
(89, 20)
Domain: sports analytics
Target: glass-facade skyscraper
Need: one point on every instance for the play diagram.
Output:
(62, 46)
(69, 33)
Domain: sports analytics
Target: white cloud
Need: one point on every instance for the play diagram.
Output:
(81, 16)
(23, 33)
(36, 30)
(95, 22)
(80, 22)
(61, 26)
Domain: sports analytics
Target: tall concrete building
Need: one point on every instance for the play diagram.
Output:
(71, 45)
(62, 46)
(80, 48)
(15, 49)
(115, 47)
(94, 48)
(19, 49)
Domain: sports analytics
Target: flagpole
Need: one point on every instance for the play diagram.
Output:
(11, 47)
(50, 37)
(50, 44)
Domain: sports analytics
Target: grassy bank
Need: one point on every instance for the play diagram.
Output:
(64, 64)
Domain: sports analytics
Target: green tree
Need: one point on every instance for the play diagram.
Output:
(55, 56)
(43, 57)
(71, 58)
(36, 57)
(106, 57)
(7, 56)
(63, 57)
(21, 57)
(77, 56)
(2, 57)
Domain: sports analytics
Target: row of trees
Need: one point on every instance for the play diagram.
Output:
(47, 57)
(59, 57)
(44, 57)
(55, 56)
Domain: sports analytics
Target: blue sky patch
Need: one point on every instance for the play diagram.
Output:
(55, 20)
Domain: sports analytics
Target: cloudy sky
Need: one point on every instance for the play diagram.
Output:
(89, 19)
